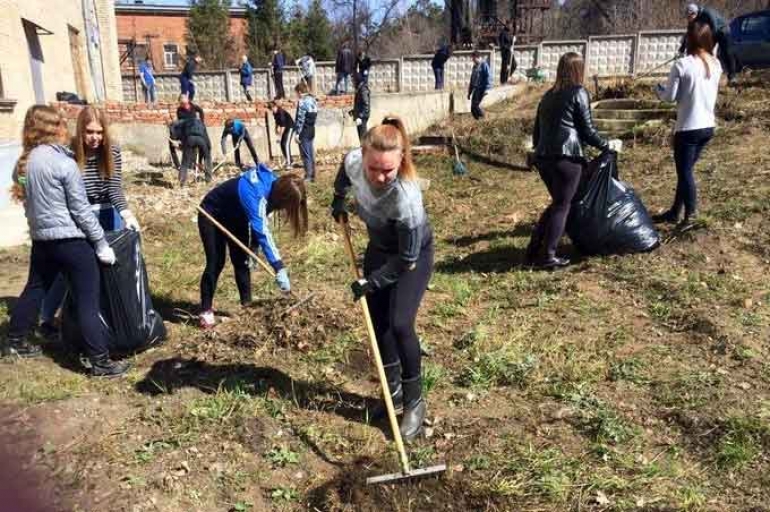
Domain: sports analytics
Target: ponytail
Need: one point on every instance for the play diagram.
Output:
(390, 136)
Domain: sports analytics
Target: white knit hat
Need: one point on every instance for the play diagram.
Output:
(692, 10)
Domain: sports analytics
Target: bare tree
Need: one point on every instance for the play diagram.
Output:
(363, 20)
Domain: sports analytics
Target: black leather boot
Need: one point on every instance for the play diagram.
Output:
(20, 347)
(415, 409)
(103, 366)
(393, 376)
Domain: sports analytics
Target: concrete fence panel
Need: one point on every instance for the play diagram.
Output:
(611, 55)
(526, 58)
(656, 47)
(458, 70)
(383, 75)
(417, 74)
(551, 51)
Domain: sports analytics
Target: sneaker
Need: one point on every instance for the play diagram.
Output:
(207, 319)
(20, 348)
(552, 263)
(49, 331)
(667, 217)
(103, 366)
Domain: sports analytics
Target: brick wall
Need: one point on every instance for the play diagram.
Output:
(105, 13)
(216, 112)
(159, 29)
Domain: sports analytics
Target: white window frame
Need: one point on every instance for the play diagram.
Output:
(169, 55)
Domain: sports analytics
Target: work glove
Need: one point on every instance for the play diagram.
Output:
(358, 121)
(360, 288)
(615, 145)
(339, 211)
(106, 255)
(130, 220)
(282, 280)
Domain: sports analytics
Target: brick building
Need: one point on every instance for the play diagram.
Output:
(45, 50)
(159, 30)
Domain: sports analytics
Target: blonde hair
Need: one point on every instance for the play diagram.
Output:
(42, 125)
(391, 136)
(105, 161)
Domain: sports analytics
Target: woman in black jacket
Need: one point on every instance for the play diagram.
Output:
(562, 127)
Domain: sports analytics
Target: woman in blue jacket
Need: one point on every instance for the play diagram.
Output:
(241, 205)
(247, 76)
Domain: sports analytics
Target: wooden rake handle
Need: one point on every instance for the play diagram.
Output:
(377, 359)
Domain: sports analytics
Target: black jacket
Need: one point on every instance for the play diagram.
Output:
(362, 103)
(364, 63)
(564, 124)
(440, 57)
(505, 40)
(346, 61)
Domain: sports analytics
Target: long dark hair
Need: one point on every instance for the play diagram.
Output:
(569, 72)
(289, 195)
(700, 41)
(105, 161)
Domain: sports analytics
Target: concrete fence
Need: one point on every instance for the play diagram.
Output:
(614, 55)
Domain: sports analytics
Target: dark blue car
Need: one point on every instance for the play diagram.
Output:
(751, 40)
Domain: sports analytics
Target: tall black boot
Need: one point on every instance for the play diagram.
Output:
(393, 376)
(415, 409)
(103, 366)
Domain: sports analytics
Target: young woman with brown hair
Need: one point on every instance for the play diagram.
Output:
(66, 237)
(693, 84)
(399, 258)
(241, 205)
(562, 127)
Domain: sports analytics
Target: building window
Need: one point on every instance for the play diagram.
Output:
(170, 56)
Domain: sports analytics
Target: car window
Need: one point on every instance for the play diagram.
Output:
(756, 26)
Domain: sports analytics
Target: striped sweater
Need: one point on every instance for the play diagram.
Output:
(109, 191)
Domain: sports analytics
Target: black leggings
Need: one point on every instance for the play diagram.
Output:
(394, 310)
(76, 259)
(214, 243)
(562, 178)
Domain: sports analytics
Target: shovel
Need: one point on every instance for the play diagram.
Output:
(406, 472)
(458, 168)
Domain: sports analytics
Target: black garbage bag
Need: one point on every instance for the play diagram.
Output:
(606, 216)
(125, 304)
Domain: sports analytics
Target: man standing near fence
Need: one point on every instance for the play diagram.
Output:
(186, 77)
(306, 66)
(361, 105)
(247, 76)
(505, 41)
(278, 63)
(481, 82)
(147, 76)
(344, 67)
(439, 61)
(721, 32)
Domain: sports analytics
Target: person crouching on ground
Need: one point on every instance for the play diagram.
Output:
(66, 237)
(101, 165)
(284, 126)
(304, 127)
(196, 146)
(242, 204)
(562, 127)
(694, 84)
(399, 257)
(238, 132)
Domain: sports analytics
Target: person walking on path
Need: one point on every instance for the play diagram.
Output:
(304, 127)
(188, 73)
(66, 237)
(505, 41)
(398, 262)
(147, 77)
(361, 106)
(693, 84)
(344, 67)
(563, 125)
(438, 63)
(238, 132)
(278, 63)
(247, 76)
(306, 66)
(480, 83)
(242, 205)
(720, 32)
(284, 126)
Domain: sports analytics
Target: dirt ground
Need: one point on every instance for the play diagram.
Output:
(623, 383)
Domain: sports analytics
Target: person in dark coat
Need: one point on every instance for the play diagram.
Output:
(344, 67)
(361, 106)
(278, 63)
(284, 126)
(439, 61)
(247, 76)
(186, 77)
(721, 32)
(481, 82)
(186, 110)
(363, 63)
(505, 41)
(195, 143)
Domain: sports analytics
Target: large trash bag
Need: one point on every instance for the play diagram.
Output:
(606, 216)
(125, 304)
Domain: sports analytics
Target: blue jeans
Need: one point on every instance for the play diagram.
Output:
(188, 87)
(308, 159)
(149, 93)
(341, 77)
(688, 146)
(110, 220)
(439, 74)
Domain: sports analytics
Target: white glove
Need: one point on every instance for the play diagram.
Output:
(130, 221)
(106, 255)
(616, 145)
(358, 121)
(528, 144)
